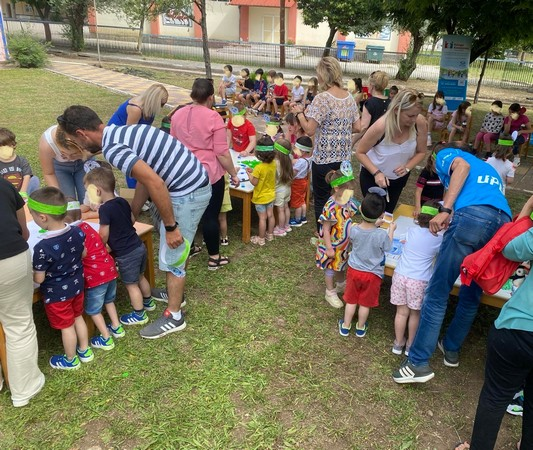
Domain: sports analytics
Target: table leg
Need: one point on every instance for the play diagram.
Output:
(246, 218)
(149, 273)
(3, 354)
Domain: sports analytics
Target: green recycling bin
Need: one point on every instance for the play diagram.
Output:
(374, 53)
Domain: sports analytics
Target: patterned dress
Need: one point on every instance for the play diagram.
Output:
(341, 218)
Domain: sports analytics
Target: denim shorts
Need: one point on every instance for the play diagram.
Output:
(130, 266)
(96, 297)
(264, 207)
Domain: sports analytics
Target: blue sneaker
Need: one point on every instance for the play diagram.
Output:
(295, 222)
(149, 304)
(361, 332)
(85, 355)
(303, 220)
(103, 343)
(62, 362)
(133, 318)
(344, 331)
(117, 332)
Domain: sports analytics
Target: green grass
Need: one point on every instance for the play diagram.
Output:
(260, 365)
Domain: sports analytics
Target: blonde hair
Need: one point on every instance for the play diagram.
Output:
(329, 70)
(404, 100)
(151, 99)
(379, 80)
(71, 147)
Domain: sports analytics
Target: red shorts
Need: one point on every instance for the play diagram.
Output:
(61, 315)
(362, 288)
(298, 192)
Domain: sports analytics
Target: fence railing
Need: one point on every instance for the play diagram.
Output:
(499, 73)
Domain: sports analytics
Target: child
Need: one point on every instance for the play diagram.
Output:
(355, 87)
(223, 214)
(297, 93)
(428, 186)
(263, 177)
(259, 91)
(312, 90)
(301, 167)
(366, 263)
(100, 276)
(437, 111)
(459, 121)
(227, 86)
(284, 177)
(262, 102)
(279, 95)
(15, 168)
(519, 122)
(294, 129)
(393, 91)
(246, 86)
(89, 210)
(500, 161)
(241, 132)
(411, 277)
(57, 265)
(490, 128)
(117, 231)
(274, 130)
(335, 220)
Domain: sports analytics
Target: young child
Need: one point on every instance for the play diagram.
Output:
(259, 90)
(89, 210)
(246, 85)
(100, 276)
(518, 122)
(393, 91)
(58, 268)
(411, 277)
(301, 167)
(241, 132)
(428, 186)
(459, 121)
(294, 129)
(228, 85)
(15, 168)
(297, 93)
(335, 220)
(284, 177)
(117, 231)
(263, 177)
(223, 214)
(262, 102)
(490, 128)
(312, 90)
(501, 162)
(279, 95)
(366, 264)
(437, 111)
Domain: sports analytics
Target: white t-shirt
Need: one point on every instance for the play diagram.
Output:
(504, 168)
(297, 93)
(301, 166)
(389, 156)
(418, 254)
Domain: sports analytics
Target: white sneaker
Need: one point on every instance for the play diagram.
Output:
(429, 142)
(333, 299)
(516, 161)
(340, 287)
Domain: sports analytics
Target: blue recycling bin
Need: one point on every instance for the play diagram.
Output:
(345, 50)
(374, 53)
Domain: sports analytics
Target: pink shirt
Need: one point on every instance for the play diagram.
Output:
(203, 132)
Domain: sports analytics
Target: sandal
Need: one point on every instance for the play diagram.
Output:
(217, 263)
(257, 240)
(195, 249)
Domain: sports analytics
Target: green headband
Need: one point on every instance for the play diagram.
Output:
(242, 112)
(338, 181)
(264, 148)
(46, 209)
(366, 219)
(303, 148)
(275, 124)
(429, 210)
(281, 149)
(505, 142)
(73, 206)
(531, 216)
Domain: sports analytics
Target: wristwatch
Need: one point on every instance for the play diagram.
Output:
(445, 210)
(171, 228)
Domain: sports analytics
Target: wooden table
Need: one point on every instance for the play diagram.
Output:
(144, 231)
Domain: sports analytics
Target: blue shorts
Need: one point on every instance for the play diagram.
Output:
(96, 297)
(280, 101)
(133, 264)
(264, 207)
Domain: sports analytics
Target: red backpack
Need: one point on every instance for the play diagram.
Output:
(488, 267)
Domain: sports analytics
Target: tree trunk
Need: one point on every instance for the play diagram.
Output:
(205, 39)
(434, 44)
(140, 35)
(44, 16)
(329, 42)
(478, 88)
(282, 33)
(408, 65)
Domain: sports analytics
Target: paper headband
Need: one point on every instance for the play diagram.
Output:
(235, 111)
(429, 210)
(281, 149)
(264, 148)
(73, 206)
(46, 209)
(505, 142)
(303, 148)
(347, 174)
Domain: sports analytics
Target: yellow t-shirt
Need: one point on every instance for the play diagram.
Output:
(265, 191)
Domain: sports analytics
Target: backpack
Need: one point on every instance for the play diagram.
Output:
(488, 267)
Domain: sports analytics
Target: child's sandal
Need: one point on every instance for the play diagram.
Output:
(217, 263)
(257, 240)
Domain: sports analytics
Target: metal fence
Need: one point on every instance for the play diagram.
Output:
(499, 73)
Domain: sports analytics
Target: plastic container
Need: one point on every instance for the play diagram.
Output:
(174, 258)
(345, 50)
(374, 53)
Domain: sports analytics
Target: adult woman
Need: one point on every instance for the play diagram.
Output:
(202, 130)
(62, 165)
(377, 104)
(519, 122)
(393, 146)
(332, 117)
(16, 299)
(140, 110)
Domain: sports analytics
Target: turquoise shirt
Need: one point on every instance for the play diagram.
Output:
(517, 313)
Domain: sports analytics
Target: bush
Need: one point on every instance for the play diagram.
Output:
(26, 50)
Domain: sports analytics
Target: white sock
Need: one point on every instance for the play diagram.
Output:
(176, 315)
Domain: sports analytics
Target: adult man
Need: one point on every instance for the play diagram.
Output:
(165, 171)
(474, 191)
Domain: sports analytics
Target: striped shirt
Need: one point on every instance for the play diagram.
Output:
(181, 171)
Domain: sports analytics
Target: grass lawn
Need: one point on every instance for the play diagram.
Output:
(261, 364)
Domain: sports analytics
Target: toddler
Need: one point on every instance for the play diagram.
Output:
(263, 99)
(294, 130)
(459, 121)
(100, 277)
(241, 132)
(284, 177)
(411, 277)
(490, 128)
(366, 264)
(500, 161)
(246, 86)
(280, 94)
(334, 224)
(301, 167)
(393, 91)
(297, 93)
(428, 186)
(58, 268)
(518, 122)
(263, 177)
(437, 111)
(89, 210)
(227, 86)
(312, 90)
(117, 231)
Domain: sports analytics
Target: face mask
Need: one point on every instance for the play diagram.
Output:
(346, 196)
(227, 73)
(92, 194)
(495, 109)
(515, 116)
(351, 86)
(468, 111)
(278, 81)
(271, 130)
(440, 101)
(6, 152)
(237, 121)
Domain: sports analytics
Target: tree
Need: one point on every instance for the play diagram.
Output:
(43, 9)
(75, 11)
(362, 17)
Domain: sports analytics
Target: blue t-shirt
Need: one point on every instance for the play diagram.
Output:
(120, 116)
(58, 254)
(123, 238)
(483, 185)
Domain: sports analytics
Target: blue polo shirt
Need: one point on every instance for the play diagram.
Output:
(483, 185)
